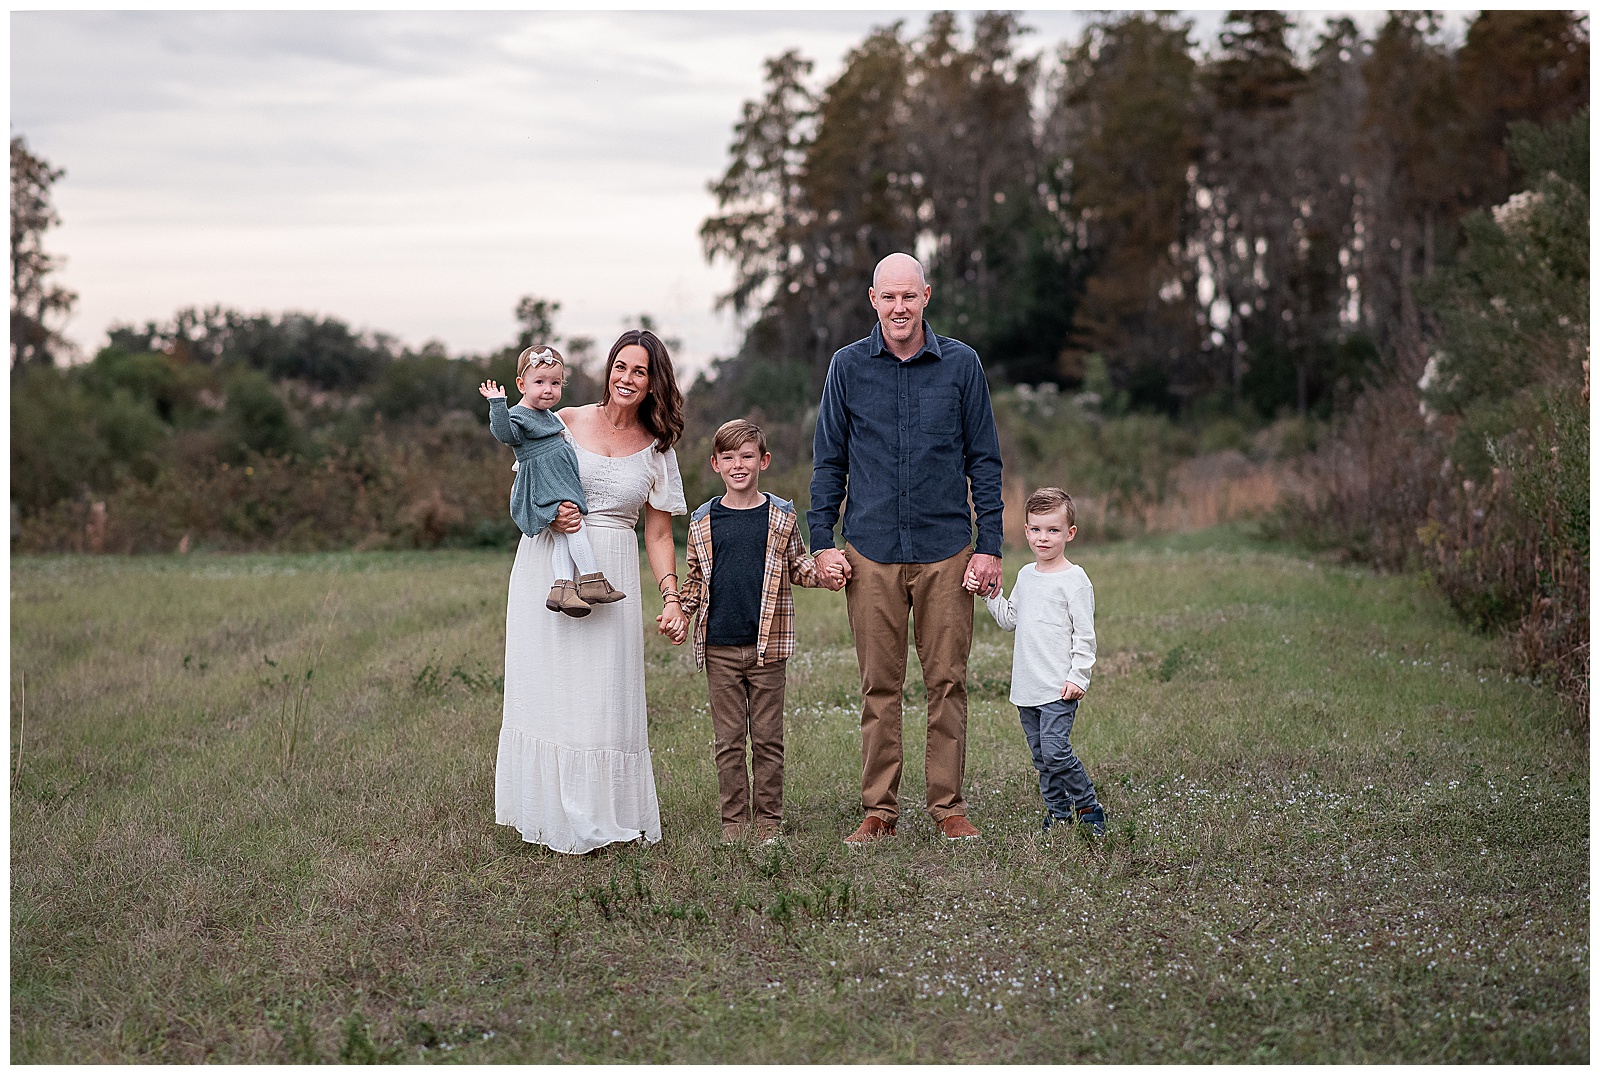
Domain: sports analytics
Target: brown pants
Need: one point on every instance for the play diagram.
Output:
(747, 700)
(880, 597)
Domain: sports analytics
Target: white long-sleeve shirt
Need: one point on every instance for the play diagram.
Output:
(1053, 616)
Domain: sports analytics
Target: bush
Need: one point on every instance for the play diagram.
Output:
(175, 390)
(430, 383)
(53, 450)
(1512, 553)
(1367, 486)
(255, 419)
(66, 440)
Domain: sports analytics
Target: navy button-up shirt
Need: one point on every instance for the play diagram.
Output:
(906, 437)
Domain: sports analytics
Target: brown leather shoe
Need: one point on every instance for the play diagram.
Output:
(767, 833)
(564, 598)
(873, 829)
(595, 590)
(957, 827)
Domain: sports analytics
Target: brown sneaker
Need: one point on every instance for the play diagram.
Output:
(873, 829)
(595, 590)
(732, 834)
(957, 827)
(767, 833)
(564, 598)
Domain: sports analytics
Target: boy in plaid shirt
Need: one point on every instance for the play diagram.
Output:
(745, 632)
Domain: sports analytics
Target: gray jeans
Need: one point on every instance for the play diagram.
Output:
(1062, 779)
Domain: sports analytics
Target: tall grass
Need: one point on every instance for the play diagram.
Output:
(1340, 832)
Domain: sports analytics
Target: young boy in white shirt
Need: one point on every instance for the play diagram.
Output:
(1052, 611)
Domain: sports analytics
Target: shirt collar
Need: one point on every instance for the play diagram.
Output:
(930, 343)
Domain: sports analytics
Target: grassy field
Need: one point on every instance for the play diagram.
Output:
(252, 820)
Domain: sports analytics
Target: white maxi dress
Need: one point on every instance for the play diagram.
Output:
(573, 771)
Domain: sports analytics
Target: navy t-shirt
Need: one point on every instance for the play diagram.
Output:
(738, 565)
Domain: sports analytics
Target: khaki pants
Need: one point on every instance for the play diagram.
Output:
(747, 700)
(880, 597)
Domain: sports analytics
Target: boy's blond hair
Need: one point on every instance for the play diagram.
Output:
(733, 435)
(541, 354)
(1048, 499)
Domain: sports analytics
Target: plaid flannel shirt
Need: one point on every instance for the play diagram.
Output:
(787, 561)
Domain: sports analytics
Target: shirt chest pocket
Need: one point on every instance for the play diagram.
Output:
(939, 411)
(1050, 610)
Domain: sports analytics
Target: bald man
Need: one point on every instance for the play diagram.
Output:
(904, 428)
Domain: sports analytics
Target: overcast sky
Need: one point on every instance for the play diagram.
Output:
(409, 172)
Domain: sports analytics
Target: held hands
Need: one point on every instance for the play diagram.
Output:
(833, 570)
(673, 623)
(1071, 692)
(490, 390)
(983, 576)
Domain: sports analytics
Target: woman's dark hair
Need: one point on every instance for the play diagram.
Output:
(661, 413)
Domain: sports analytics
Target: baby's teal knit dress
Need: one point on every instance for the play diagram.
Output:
(547, 467)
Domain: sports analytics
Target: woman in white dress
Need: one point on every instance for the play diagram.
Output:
(573, 771)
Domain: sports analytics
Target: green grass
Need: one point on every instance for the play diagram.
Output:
(1339, 832)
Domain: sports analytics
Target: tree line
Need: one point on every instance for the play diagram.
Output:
(221, 385)
(1174, 229)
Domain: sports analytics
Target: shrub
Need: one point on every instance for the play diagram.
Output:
(1512, 553)
(66, 440)
(54, 452)
(174, 389)
(255, 419)
(1368, 485)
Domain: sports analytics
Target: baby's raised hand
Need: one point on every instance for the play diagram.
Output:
(490, 390)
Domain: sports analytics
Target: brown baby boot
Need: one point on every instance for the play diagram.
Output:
(564, 598)
(595, 590)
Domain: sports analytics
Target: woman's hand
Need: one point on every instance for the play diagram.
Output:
(673, 623)
(490, 390)
(568, 519)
